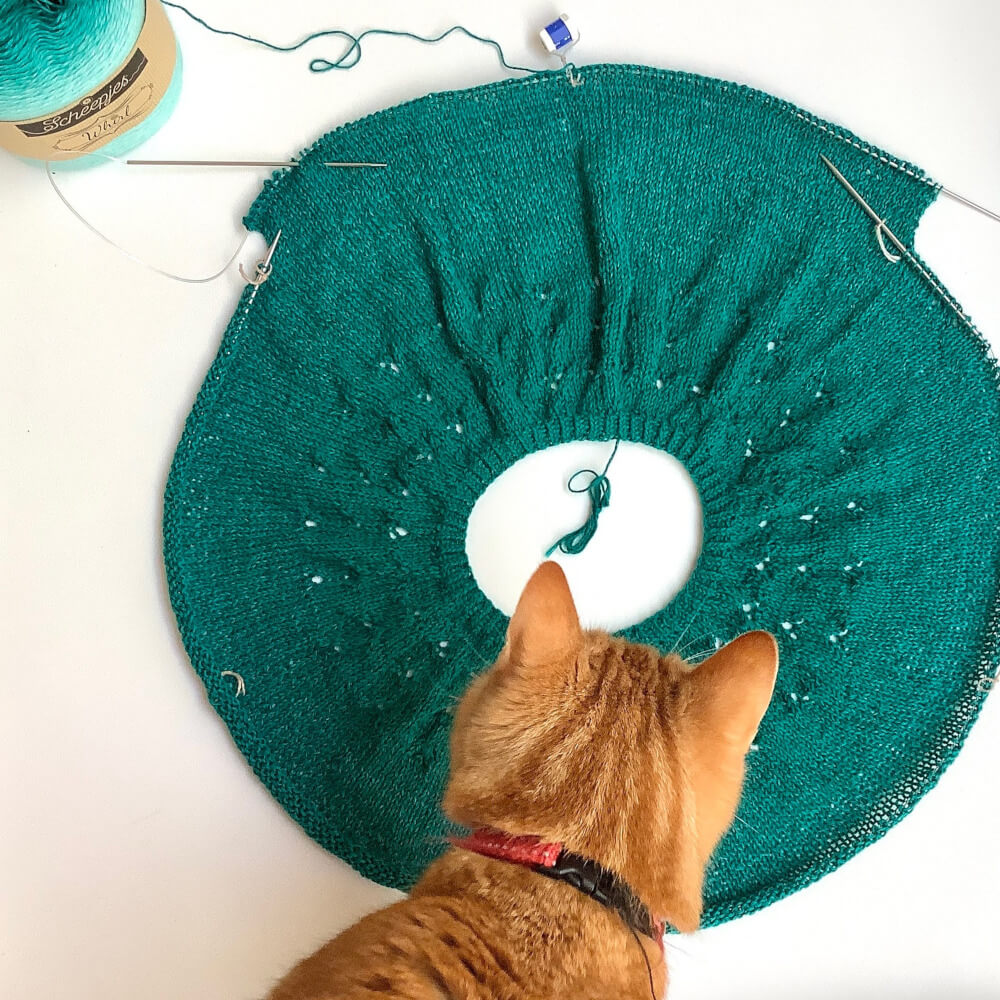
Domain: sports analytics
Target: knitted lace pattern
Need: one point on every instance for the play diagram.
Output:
(649, 255)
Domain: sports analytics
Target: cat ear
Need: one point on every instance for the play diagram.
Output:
(544, 627)
(733, 687)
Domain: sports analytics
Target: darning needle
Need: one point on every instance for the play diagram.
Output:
(945, 191)
(880, 226)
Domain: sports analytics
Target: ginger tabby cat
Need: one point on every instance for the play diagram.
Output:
(623, 755)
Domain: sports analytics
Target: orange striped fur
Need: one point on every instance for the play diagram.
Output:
(622, 753)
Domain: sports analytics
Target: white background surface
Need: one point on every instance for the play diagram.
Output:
(138, 855)
(656, 511)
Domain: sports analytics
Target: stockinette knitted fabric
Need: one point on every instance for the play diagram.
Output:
(649, 255)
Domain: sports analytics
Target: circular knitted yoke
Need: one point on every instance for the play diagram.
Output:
(652, 256)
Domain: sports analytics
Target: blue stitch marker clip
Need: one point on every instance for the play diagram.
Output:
(560, 35)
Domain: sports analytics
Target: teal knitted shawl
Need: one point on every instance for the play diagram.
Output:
(650, 255)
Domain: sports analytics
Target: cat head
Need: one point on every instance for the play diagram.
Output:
(622, 753)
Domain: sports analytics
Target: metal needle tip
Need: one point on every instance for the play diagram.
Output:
(954, 195)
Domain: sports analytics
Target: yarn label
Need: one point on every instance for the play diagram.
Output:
(122, 101)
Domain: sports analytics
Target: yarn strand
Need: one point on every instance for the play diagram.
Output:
(352, 54)
(599, 490)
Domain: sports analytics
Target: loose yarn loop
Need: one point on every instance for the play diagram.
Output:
(599, 490)
(352, 54)
(122, 33)
(741, 320)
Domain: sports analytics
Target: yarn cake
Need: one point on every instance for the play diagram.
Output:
(80, 76)
(650, 256)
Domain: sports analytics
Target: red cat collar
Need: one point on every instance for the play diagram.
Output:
(554, 861)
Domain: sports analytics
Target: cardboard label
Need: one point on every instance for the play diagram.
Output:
(117, 105)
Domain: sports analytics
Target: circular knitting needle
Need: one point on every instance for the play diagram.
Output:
(240, 163)
(969, 203)
(954, 195)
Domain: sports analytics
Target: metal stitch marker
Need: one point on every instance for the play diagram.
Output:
(263, 269)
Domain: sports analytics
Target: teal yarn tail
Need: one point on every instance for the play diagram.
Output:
(599, 490)
(740, 319)
(352, 54)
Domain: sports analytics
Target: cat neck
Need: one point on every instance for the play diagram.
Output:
(584, 874)
(647, 865)
(659, 865)
(537, 923)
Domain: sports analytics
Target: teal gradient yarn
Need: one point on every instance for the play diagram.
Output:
(653, 257)
(53, 52)
(151, 124)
